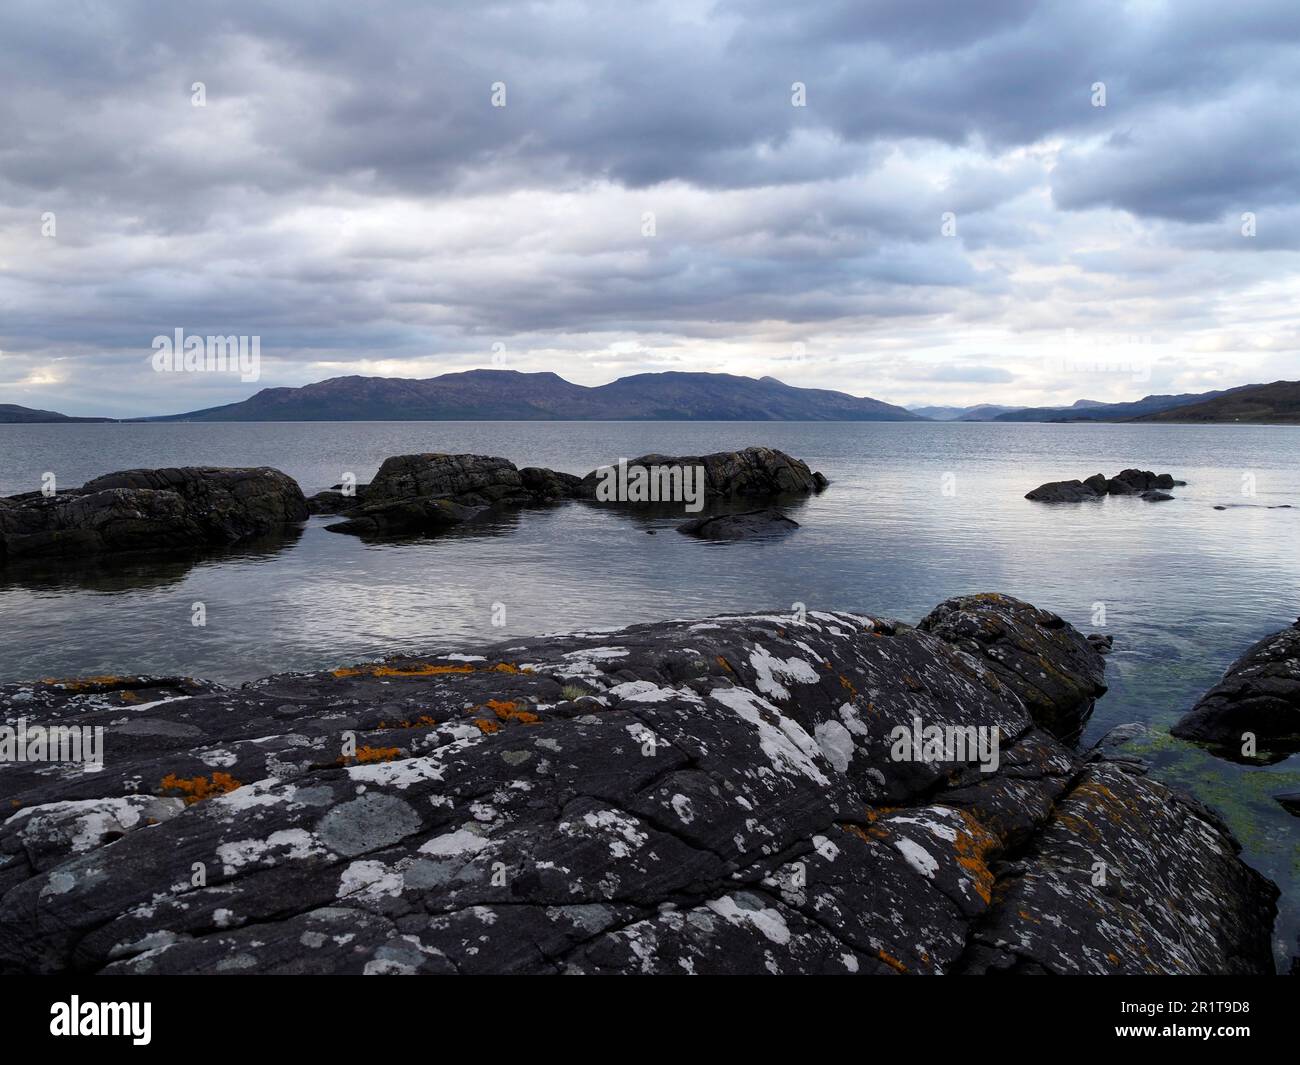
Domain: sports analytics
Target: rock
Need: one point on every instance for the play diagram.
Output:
(1125, 483)
(1259, 694)
(743, 526)
(720, 796)
(1062, 492)
(433, 492)
(544, 484)
(1290, 803)
(475, 480)
(754, 472)
(430, 493)
(1102, 644)
(334, 501)
(1055, 671)
(1137, 481)
(150, 510)
(419, 514)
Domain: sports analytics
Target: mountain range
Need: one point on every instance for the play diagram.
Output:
(509, 395)
(12, 414)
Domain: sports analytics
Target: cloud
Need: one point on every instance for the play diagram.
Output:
(350, 194)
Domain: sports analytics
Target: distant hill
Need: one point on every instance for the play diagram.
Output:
(983, 412)
(1276, 403)
(509, 395)
(12, 414)
(1086, 410)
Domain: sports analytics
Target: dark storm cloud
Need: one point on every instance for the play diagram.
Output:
(350, 189)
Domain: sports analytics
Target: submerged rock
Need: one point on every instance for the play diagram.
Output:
(745, 525)
(725, 795)
(1255, 705)
(150, 510)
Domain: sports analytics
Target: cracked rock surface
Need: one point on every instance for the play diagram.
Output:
(718, 795)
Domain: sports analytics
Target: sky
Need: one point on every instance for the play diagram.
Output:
(924, 202)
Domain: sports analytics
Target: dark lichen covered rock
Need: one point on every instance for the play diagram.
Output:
(745, 525)
(724, 795)
(1258, 697)
(1058, 674)
(150, 510)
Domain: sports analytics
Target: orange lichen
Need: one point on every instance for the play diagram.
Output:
(973, 848)
(196, 789)
(512, 711)
(377, 754)
(891, 961)
(80, 684)
(847, 685)
(725, 664)
(422, 669)
(423, 721)
(129, 697)
(487, 727)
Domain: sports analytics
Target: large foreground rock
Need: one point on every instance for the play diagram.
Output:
(725, 795)
(1258, 696)
(150, 510)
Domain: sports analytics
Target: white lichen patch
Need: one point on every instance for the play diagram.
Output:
(787, 745)
(291, 844)
(836, 744)
(769, 668)
(767, 920)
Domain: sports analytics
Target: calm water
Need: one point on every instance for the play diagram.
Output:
(1185, 588)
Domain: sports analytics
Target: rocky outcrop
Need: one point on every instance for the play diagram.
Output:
(150, 510)
(745, 525)
(434, 492)
(1255, 706)
(751, 473)
(1143, 483)
(1055, 672)
(726, 795)
(430, 493)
